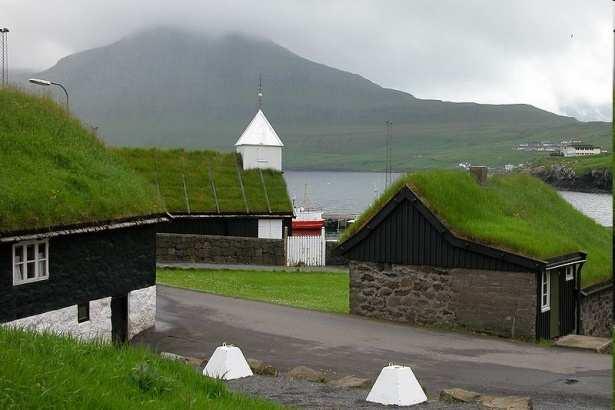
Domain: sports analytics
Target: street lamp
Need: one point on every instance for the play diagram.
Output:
(47, 83)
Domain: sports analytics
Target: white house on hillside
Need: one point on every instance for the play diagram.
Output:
(578, 150)
(259, 145)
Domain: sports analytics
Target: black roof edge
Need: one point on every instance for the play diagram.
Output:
(567, 259)
(597, 287)
(406, 193)
(229, 214)
(140, 219)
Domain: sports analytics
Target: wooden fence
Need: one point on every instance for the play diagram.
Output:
(306, 250)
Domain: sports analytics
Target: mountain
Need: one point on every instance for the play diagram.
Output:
(166, 87)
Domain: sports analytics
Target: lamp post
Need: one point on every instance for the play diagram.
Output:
(47, 83)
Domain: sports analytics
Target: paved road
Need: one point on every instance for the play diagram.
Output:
(193, 324)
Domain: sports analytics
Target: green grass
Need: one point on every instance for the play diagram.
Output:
(519, 213)
(55, 172)
(580, 165)
(42, 371)
(184, 181)
(323, 291)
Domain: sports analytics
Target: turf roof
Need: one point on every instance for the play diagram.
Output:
(519, 213)
(56, 173)
(208, 182)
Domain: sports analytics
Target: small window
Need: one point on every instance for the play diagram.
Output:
(30, 261)
(545, 293)
(83, 312)
(569, 273)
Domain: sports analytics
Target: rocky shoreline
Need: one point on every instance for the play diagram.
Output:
(598, 181)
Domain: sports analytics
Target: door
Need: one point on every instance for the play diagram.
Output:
(567, 300)
(554, 313)
(119, 319)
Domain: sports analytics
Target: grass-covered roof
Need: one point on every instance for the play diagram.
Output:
(519, 213)
(55, 172)
(208, 182)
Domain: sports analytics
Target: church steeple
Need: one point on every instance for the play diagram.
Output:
(260, 93)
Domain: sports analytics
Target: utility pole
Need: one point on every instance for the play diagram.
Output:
(388, 164)
(4, 57)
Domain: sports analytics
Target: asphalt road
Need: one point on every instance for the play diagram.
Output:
(193, 324)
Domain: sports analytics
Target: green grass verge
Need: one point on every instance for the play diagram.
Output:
(42, 371)
(518, 212)
(323, 291)
(55, 172)
(184, 181)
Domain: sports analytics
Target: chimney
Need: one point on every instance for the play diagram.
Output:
(480, 173)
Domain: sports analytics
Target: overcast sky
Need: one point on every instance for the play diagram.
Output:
(554, 54)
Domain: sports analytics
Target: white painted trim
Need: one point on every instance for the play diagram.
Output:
(24, 245)
(546, 275)
(566, 264)
(97, 228)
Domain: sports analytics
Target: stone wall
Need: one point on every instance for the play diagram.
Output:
(219, 249)
(597, 310)
(501, 303)
(331, 259)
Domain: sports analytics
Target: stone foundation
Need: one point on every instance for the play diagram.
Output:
(141, 316)
(219, 249)
(501, 303)
(141, 310)
(64, 321)
(597, 310)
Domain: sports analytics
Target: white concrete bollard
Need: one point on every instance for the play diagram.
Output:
(396, 385)
(227, 363)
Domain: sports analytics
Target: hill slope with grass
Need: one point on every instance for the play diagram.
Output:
(41, 371)
(55, 172)
(200, 92)
(208, 182)
(519, 213)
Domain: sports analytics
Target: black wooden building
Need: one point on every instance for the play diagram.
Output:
(94, 280)
(407, 265)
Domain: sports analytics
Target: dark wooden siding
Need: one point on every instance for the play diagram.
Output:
(406, 237)
(82, 267)
(225, 226)
(246, 227)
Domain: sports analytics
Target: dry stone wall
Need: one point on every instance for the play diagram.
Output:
(501, 303)
(597, 311)
(219, 249)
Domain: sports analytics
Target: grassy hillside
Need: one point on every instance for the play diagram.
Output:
(208, 182)
(201, 93)
(55, 172)
(580, 165)
(518, 212)
(51, 372)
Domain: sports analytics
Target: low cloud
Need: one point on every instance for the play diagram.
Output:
(554, 54)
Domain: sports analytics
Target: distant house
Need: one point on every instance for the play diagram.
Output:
(408, 263)
(77, 230)
(579, 149)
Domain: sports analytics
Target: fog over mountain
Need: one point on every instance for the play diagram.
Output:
(553, 54)
(170, 87)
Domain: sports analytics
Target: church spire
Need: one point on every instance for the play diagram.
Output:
(260, 92)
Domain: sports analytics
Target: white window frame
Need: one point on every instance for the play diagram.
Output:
(569, 273)
(37, 275)
(545, 297)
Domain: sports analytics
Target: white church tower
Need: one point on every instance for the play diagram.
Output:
(259, 145)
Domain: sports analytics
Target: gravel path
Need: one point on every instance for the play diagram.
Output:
(309, 395)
